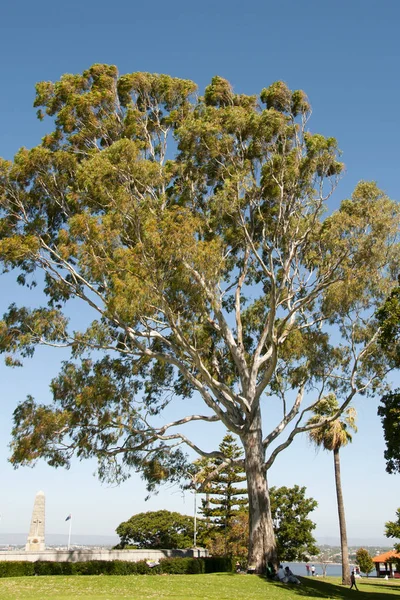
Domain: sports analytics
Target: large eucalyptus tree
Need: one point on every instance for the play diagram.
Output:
(210, 267)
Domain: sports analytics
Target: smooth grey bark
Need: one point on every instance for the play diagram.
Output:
(262, 543)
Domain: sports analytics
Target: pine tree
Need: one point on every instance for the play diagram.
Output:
(225, 499)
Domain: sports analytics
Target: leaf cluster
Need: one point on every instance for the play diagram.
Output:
(364, 561)
(159, 529)
(209, 267)
(389, 411)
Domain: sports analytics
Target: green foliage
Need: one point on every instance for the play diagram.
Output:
(146, 242)
(334, 434)
(181, 566)
(389, 411)
(364, 561)
(293, 529)
(158, 530)
(224, 498)
(171, 566)
(16, 569)
(229, 531)
(392, 529)
(218, 564)
(211, 268)
(388, 317)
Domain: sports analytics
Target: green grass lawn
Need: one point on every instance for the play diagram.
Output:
(218, 586)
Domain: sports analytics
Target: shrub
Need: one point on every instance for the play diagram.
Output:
(172, 566)
(45, 567)
(16, 568)
(219, 564)
(196, 566)
(140, 568)
(177, 566)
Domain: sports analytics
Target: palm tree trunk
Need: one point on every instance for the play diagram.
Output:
(342, 521)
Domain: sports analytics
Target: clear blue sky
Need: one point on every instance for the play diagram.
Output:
(345, 55)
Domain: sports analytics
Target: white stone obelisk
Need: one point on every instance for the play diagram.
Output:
(35, 542)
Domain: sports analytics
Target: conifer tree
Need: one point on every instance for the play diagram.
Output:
(224, 497)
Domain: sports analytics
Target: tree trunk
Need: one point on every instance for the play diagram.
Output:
(208, 509)
(342, 521)
(262, 544)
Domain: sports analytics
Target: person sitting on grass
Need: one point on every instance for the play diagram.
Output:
(281, 575)
(290, 577)
(270, 569)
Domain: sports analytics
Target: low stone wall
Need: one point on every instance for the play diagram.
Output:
(85, 555)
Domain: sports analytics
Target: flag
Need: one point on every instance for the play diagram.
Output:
(68, 518)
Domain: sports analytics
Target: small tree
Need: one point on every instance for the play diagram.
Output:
(161, 529)
(364, 561)
(293, 529)
(225, 499)
(234, 542)
(324, 560)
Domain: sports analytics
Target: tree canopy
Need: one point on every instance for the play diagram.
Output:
(194, 231)
(389, 320)
(364, 561)
(293, 527)
(160, 529)
(334, 434)
(392, 529)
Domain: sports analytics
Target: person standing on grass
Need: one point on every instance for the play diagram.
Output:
(312, 570)
(353, 580)
(308, 569)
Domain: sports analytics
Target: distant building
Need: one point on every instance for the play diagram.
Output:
(387, 564)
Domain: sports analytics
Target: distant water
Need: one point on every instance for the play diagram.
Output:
(333, 569)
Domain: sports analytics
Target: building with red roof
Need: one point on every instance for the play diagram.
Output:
(388, 564)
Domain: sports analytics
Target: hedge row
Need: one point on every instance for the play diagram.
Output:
(175, 566)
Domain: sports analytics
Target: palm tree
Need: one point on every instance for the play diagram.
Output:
(332, 436)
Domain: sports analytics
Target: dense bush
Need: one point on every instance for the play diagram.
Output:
(181, 566)
(218, 564)
(172, 566)
(16, 569)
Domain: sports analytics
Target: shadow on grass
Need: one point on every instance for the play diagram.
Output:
(319, 588)
(387, 586)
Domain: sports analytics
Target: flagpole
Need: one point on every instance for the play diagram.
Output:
(195, 521)
(69, 534)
